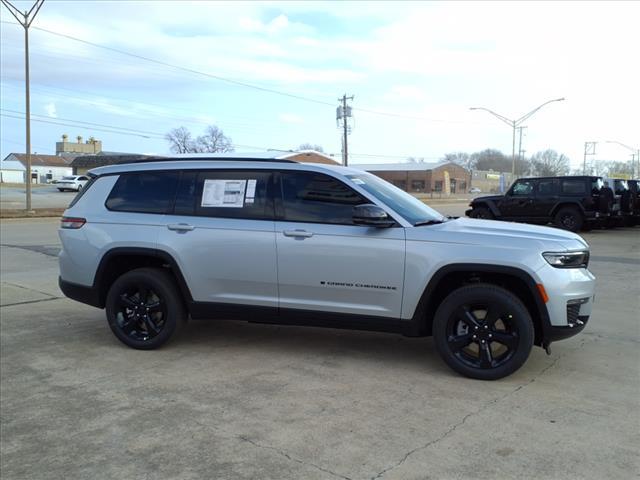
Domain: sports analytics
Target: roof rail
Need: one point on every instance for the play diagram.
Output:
(209, 159)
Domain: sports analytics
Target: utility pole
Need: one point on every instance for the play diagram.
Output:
(520, 151)
(515, 124)
(25, 19)
(343, 112)
(589, 149)
(635, 156)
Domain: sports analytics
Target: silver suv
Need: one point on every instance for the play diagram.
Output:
(282, 242)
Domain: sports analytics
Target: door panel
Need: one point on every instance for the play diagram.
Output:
(223, 259)
(222, 234)
(341, 268)
(518, 201)
(325, 262)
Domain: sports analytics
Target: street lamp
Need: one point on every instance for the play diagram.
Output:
(515, 124)
(635, 155)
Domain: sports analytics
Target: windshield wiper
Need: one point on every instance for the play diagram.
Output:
(428, 222)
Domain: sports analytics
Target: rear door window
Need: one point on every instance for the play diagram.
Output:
(144, 192)
(317, 198)
(548, 187)
(242, 194)
(574, 187)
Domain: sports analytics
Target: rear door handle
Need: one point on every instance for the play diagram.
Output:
(180, 227)
(297, 233)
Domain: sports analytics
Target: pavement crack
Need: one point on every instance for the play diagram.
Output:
(30, 289)
(279, 451)
(490, 403)
(31, 301)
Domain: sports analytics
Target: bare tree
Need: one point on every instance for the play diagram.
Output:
(491, 159)
(214, 140)
(180, 141)
(549, 163)
(311, 146)
(460, 158)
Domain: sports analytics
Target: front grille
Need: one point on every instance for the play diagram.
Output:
(573, 311)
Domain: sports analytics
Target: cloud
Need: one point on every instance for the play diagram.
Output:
(291, 118)
(50, 108)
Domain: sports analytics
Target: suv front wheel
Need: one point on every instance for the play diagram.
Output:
(483, 331)
(144, 309)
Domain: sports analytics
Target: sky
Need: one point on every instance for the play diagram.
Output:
(269, 74)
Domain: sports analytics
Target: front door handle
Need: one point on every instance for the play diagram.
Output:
(297, 233)
(180, 227)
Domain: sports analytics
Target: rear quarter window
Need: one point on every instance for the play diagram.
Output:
(144, 192)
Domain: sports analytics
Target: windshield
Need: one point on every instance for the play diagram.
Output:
(411, 209)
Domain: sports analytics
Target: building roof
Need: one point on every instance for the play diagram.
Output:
(396, 167)
(38, 160)
(92, 161)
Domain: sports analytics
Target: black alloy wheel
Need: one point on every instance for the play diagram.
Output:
(140, 313)
(483, 331)
(569, 218)
(144, 309)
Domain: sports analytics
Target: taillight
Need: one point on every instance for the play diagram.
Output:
(72, 222)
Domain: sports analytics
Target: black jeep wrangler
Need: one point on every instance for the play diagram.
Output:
(571, 203)
(634, 193)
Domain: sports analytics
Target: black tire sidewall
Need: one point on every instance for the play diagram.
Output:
(484, 211)
(569, 211)
(482, 293)
(164, 286)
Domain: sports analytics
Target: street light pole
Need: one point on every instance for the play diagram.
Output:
(514, 124)
(25, 19)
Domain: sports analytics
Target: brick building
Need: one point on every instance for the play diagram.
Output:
(422, 177)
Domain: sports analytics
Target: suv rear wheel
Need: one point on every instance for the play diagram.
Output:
(568, 218)
(483, 331)
(144, 309)
(482, 212)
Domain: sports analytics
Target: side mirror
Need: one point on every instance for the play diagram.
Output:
(371, 215)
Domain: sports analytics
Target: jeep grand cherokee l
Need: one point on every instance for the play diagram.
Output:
(272, 241)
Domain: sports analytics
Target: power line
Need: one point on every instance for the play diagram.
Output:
(241, 83)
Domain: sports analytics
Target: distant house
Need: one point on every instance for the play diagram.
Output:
(422, 177)
(44, 168)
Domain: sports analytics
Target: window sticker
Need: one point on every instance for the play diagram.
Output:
(223, 193)
(251, 191)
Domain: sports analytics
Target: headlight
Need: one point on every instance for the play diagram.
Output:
(567, 259)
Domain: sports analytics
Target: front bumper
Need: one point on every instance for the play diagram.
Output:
(571, 293)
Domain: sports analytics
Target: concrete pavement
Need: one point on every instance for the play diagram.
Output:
(239, 400)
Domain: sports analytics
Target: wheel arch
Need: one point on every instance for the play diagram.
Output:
(450, 277)
(488, 204)
(120, 260)
(563, 204)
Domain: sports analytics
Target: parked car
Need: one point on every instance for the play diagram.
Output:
(572, 202)
(475, 190)
(307, 244)
(634, 188)
(72, 182)
(622, 213)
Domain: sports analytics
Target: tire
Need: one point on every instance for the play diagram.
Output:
(569, 218)
(482, 212)
(61, 189)
(470, 324)
(127, 299)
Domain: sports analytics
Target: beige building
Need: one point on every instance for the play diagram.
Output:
(488, 181)
(90, 147)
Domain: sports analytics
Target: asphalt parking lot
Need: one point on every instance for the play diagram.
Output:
(42, 196)
(240, 400)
